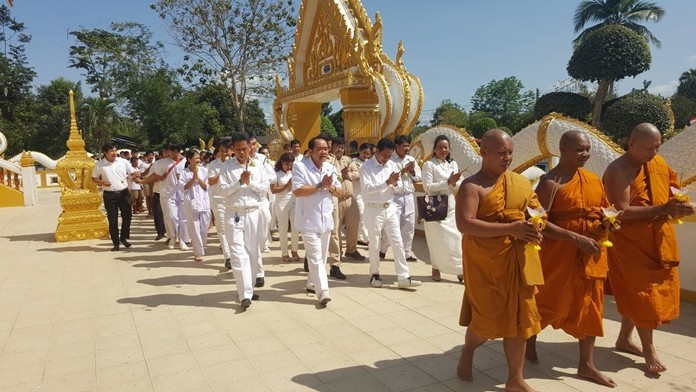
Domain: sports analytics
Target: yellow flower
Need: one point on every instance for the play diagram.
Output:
(537, 217)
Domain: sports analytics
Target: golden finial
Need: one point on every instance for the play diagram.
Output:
(202, 143)
(75, 142)
(26, 160)
(399, 54)
(211, 144)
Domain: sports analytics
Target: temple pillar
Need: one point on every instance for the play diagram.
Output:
(361, 118)
(305, 120)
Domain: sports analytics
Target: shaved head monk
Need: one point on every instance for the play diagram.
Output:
(643, 262)
(574, 264)
(501, 272)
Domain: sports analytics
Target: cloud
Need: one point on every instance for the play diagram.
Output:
(692, 58)
(664, 89)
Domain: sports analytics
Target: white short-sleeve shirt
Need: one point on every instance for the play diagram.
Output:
(313, 213)
(116, 172)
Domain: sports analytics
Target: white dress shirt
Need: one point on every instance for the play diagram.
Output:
(171, 182)
(435, 176)
(159, 167)
(214, 169)
(313, 213)
(407, 178)
(195, 197)
(116, 172)
(373, 181)
(238, 195)
(286, 197)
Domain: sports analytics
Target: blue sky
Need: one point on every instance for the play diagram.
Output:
(453, 46)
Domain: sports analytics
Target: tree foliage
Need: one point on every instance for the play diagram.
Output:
(449, 113)
(481, 126)
(327, 127)
(570, 104)
(608, 54)
(627, 13)
(114, 60)
(503, 100)
(241, 44)
(684, 109)
(632, 109)
(687, 84)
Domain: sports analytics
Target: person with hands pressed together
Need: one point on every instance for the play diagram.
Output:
(380, 177)
(643, 261)
(502, 272)
(195, 202)
(284, 206)
(243, 184)
(315, 184)
(573, 262)
(217, 201)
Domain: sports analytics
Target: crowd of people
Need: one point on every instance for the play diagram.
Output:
(529, 258)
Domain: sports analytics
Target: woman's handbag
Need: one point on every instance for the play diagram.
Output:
(432, 208)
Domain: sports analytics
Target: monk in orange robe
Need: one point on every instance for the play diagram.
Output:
(501, 272)
(643, 262)
(574, 264)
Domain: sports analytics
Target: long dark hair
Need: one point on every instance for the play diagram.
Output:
(285, 158)
(440, 138)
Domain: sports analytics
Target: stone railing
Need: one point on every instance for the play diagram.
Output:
(18, 182)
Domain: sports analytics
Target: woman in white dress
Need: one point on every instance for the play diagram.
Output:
(284, 205)
(441, 177)
(193, 183)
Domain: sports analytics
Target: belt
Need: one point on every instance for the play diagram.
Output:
(242, 209)
(116, 192)
(379, 205)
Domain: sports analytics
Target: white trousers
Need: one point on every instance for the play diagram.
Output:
(242, 234)
(198, 224)
(264, 223)
(362, 231)
(316, 250)
(170, 209)
(406, 209)
(183, 225)
(218, 208)
(377, 221)
(284, 214)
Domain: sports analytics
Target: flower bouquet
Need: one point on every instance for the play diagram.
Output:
(537, 217)
(682, 196)
(609, 222)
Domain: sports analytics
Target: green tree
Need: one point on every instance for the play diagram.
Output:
(687, 84)
(503, 100)
(53, 117)
(337, 121)
(417, 130)
(99, 119)
(327, 127)
(570, 104)
(481, 126)
(684, 109)
(449, 113)
(627, 13)
(605, 55)
(114, 60)
(16, 75)
(243, 44)
(632, 109)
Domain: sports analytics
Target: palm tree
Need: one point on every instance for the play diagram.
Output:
(627, 13)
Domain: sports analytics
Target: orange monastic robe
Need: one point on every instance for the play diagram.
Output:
(501, 274)
(643, 262)
(572, 297)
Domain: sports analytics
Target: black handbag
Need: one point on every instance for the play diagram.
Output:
(432, 208)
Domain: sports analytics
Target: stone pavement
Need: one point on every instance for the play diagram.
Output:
(77, 317)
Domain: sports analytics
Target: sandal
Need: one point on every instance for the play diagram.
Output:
(436, 275)
(295, 257)
(198, 259)
(286, 259)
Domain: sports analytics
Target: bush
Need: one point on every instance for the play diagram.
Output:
(683, 108)
(570, 104)
(480, 126)
(632, 109)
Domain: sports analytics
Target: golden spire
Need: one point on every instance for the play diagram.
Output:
(75, 142)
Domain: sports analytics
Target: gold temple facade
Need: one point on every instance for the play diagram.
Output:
(337, 55)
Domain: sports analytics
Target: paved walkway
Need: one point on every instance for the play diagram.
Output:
(77, 317)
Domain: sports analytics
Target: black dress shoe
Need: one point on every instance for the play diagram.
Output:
(411, 258)
(159, 237)
(336, 272)
(246, 302)
(125, 243)
(260, 282)
(228, 264)
(363, 243)
(306, 266)
(254, 297)
(382, 255)
(355, 256)
(115, 249)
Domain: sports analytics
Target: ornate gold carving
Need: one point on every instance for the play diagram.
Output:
(26, 160)
(81, 217)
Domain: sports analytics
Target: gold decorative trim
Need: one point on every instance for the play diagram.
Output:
(419, 109)
(26, 160)
(603, 138)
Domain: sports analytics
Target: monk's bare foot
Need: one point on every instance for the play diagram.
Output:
(518, 386)
(530, 353)
(465, 366)
(652, 362)
(627, 346)
(592, 374)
